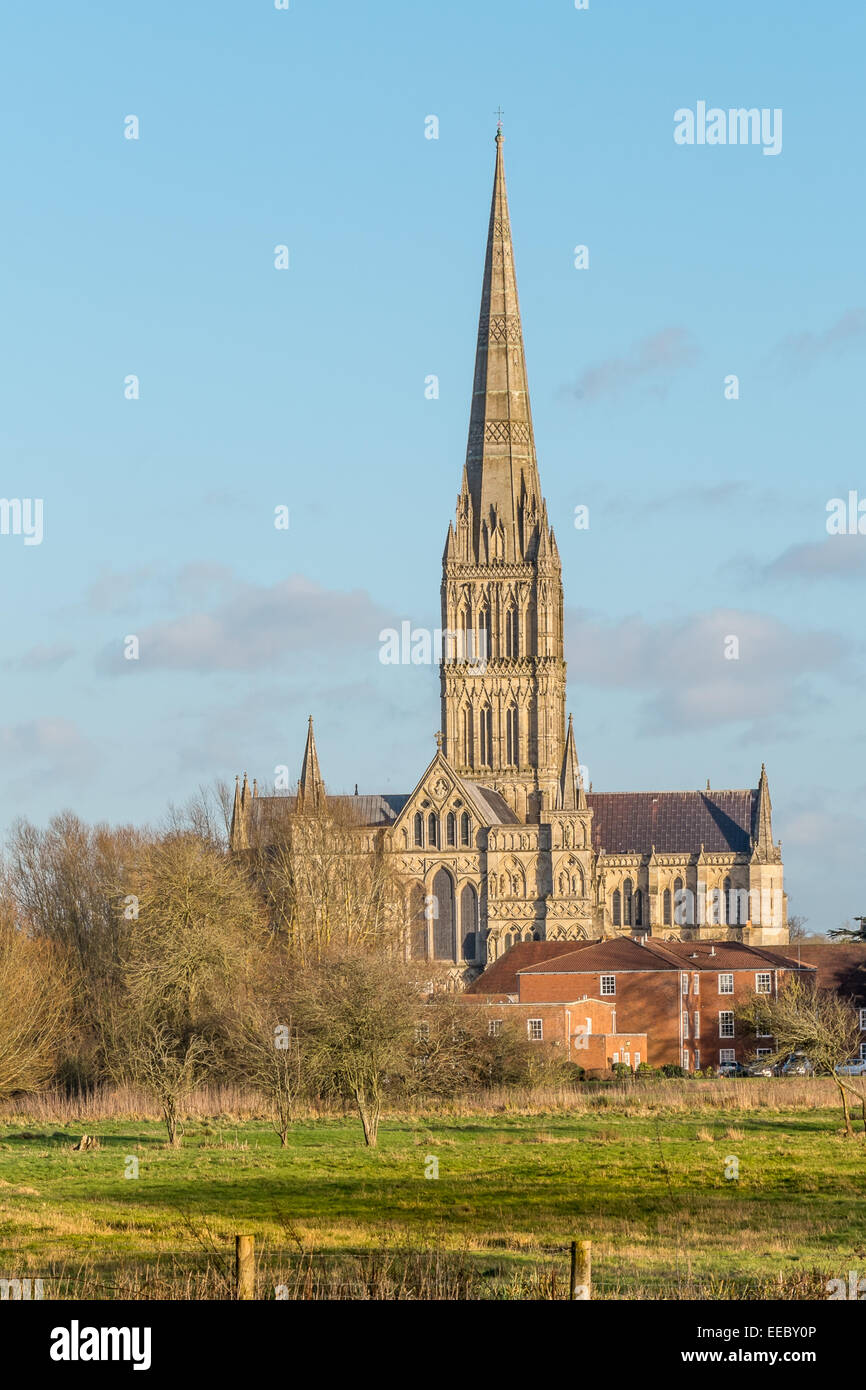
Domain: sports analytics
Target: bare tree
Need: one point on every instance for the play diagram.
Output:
(34, 1007)
(268, 1046)
(326, 882)
(817, 1024)
(358, 1017)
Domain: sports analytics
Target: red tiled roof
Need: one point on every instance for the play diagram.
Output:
(632, 822)
(621, 953)
(501, 976)
(841, 965)
(727, 955)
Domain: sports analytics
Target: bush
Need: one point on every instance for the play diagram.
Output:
(672, 1070)
(621, 1070)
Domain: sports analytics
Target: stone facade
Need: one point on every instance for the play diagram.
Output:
(500, 842)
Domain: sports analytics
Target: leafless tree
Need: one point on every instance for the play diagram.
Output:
(34, 1006)
(817, 1024)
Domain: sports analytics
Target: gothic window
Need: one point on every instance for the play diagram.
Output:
(628, 903)
(487, 737)
(679, 905)
(417, 923)
(483, 635)
(465, 652)
(469, 922)
(465, 829)
(616, 908)
(512, 633)
(666, 907)
(512, 730)
(419, 828)
(638, 908)
(451, 829)
(468, 742)
(508, 941)
(563, 885)
(443, 916)
(433, 830)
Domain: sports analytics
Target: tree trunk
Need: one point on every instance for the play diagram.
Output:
(369, 1113)
(849, 1133)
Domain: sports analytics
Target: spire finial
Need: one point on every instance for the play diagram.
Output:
(499, 113)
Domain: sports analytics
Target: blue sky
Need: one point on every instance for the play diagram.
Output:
(305, 388)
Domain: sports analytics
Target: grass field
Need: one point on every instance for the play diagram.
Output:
(644, 1179)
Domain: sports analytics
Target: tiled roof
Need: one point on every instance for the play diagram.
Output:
(379, 809)
(494, 809)
(587, 957)
(725, 955)
(501, 976)
(841, 965)
(632, 822)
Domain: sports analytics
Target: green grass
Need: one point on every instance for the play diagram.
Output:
(513, 1190)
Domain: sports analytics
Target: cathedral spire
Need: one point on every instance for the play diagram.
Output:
(763, 832)
(238, 838)
(572, 796)
(501, 468)
(311, 788)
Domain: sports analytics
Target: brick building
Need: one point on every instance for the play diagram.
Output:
(586, 1029)
(683, 996)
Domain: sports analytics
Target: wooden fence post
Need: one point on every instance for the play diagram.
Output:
(245, 1267)
(580, 1283)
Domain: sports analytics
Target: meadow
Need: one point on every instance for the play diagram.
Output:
(712, 1189)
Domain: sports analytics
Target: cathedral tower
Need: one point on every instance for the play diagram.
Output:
(503, 671)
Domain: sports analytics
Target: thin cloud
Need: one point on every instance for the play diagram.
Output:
(799, 352)
(835, 557)
(654, 360)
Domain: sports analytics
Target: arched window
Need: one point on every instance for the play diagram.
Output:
(628, 903)
(443, 916)
(417, 923)
(512, 731)
(680, 909)
(512, 633)
(469, 922)
(465, 829)
(468, 740)
(451, 829)
(508, 941)
(487, 737)
(638, 908)
(616, 908)
(483, 636)
(666, 907)
(419, 828)
(465, 643)
(433, 830)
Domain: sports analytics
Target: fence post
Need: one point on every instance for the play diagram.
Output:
(580, 1283)
(245, 1267)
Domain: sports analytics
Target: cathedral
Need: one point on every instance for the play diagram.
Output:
(500, 841)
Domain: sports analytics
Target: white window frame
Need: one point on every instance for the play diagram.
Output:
(697, 1059)
(686, 1059)
(684, 982)
(763, 1051)
(763, 975)
(608, 985)
(494, 1027)
(863, 1020)
(696, 1023)
(535, 1029)
(727, 1055)
(685, 1023)
(761, 1034)
(696, 982)
(863, 1052)
(726, 1021)
(724, 976)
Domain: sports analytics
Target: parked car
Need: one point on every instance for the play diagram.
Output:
(762, 1068)
(796, 1065)
(856, 1067)
(732, 1069)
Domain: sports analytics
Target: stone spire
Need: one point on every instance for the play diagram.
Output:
(501, 483)
(311, 788)
(503, 666)
(572, 796)
(763, 832)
